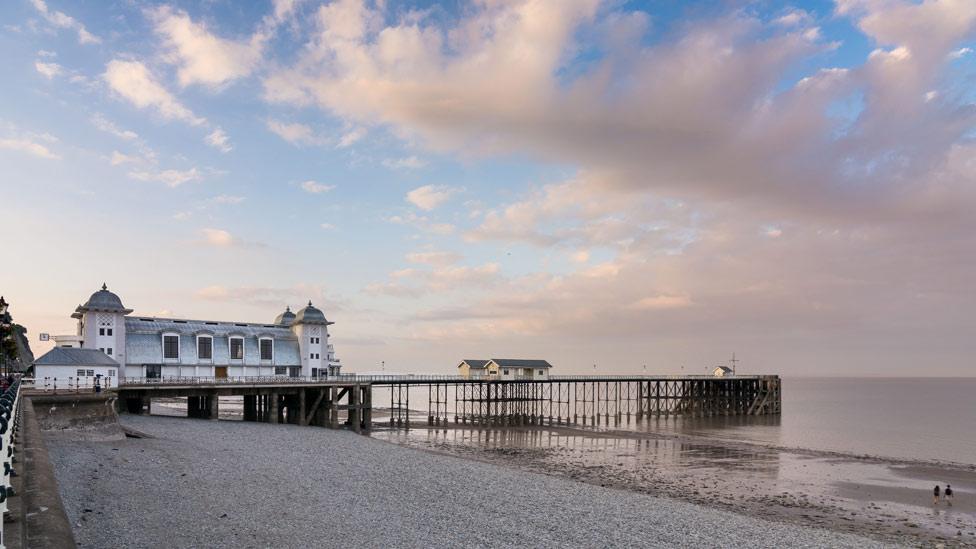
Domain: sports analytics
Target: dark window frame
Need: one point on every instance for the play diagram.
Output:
(209, 348)
(167, 342)
(269, 348)
(230, 347)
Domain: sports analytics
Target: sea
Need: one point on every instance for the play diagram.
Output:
(909, 419)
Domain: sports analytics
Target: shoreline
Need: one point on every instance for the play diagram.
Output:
(867, 505)
(257, 485)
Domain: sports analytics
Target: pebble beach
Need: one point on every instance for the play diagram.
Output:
(197, 483)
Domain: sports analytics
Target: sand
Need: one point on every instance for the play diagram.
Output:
(232, 484)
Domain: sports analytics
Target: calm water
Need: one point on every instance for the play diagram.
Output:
(927, 419)
(914, 419)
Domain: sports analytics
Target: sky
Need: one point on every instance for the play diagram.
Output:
(609, 185)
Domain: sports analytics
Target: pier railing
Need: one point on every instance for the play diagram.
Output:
(402, 378)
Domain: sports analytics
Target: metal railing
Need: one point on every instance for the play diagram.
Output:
(83, 384)
(397, 378)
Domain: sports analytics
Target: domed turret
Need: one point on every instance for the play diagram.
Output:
(103, 300)
(285, 318)
(310, 315)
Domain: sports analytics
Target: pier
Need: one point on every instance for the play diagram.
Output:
(350, 401)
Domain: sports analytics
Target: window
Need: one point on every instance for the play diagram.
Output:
(102, 349)
(80, 373)
(281, 371)
(295, 371)
(154, 371)
(109, 351)
(108, 331)
(541, 372)
(237, 348)
(89, 373)
(504, 372)
(313, 356)
(101, 331)
(205, 348)
(171, 346)
(111, 373)
(267, 349)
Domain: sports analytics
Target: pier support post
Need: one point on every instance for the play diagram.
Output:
(250, 407)
(213, 411)
(274, 411)
(355, 393)
(368, 407)
(334, 408)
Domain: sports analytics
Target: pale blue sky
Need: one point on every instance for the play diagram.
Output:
(609, 182)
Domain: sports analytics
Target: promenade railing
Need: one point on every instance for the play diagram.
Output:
(9, 424)
(82, 384)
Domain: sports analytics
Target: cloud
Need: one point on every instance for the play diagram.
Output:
(406, 163)
(701, 116)
(960, 53)
(315, 187)
(662, 302)
(134, 82)
(118, 159)
(172, 178)
(28, 146)
(269, 298)
(219, 140)
(422, 223)
(49, 70)
(99, 121)
(62, 21)
(218, 237)
(351, 137)
(200, 56)
(429, 197)
(227, 199)
(439, 258)
(327, 226)
(444, 277)
(294, 133)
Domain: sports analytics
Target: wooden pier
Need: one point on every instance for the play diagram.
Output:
(271, 400)
(348, 401)
(578, 400)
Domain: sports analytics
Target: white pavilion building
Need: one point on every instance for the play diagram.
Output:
(295, 344)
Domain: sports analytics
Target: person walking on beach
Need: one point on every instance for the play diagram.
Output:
(948, 494)
(935, 495)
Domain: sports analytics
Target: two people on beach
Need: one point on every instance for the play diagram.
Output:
(946, 495)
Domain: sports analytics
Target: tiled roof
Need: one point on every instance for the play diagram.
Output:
(474, 363)
(144, 344)
(66, 356)
(521, 363)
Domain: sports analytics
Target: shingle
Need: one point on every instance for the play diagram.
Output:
(70, 356)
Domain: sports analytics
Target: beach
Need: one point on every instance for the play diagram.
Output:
(887, 499)
(192, 483)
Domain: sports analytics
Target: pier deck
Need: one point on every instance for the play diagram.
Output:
(556, 400)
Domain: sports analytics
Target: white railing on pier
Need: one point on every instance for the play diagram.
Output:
(400, 378)
(82, 384)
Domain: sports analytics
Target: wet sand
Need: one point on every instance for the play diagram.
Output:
(888, 500)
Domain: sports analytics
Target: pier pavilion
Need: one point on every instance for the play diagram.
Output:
(293, 345)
